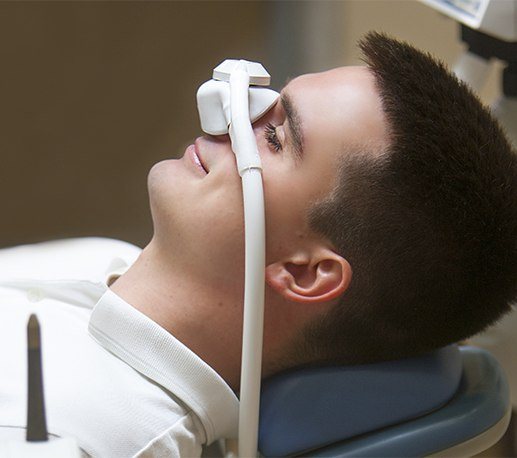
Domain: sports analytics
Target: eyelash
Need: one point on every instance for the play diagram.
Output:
(271, 137)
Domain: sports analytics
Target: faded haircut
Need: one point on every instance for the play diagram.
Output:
(429, 227)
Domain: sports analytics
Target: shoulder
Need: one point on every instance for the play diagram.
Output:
(88, 257)
(182, 439)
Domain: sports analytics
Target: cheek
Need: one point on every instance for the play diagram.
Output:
(285, 220)
(215, 238)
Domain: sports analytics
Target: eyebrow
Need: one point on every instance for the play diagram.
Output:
(295, 125)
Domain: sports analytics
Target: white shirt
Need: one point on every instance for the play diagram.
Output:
(113, 379)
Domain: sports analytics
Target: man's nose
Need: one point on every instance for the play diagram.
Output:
(217, 144)
(222, 138)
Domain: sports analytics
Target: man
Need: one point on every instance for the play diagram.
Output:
(391, 209)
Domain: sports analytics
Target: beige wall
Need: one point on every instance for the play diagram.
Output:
(95, 93)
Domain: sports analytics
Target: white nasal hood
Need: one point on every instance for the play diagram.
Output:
(213, 97)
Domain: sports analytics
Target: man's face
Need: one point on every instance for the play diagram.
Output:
(198, 216)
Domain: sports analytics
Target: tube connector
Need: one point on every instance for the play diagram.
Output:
(243, 140)
(258, 75)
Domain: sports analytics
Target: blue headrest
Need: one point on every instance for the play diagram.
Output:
(310, 408)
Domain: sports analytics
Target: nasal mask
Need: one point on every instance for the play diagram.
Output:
(230, 103)
(234, 99)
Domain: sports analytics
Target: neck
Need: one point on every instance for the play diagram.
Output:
(202, 318)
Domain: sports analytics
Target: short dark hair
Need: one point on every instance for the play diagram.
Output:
(429, 228)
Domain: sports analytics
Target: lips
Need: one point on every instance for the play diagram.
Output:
(195, 158)
(199, 158)
(198, 161)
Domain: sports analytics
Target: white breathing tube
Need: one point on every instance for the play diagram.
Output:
(245, 147)
(246, 105)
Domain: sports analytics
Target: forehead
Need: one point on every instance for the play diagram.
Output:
(341, 108)
(339, 74)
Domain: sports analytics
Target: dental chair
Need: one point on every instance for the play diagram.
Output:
(451, 402)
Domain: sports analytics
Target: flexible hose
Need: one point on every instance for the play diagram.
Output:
(248, 161)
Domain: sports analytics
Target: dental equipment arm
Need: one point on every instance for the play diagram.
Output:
(489, 28)
(488, 45)
(472, 69)
(246, 105)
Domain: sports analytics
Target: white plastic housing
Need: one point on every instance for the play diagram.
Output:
(213, 104)
(493, 17)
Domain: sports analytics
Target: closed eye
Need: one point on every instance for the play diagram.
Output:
(271, 137)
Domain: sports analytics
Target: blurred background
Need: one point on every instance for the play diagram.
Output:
(94, 93)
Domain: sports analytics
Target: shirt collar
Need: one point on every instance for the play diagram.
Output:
(154, 352)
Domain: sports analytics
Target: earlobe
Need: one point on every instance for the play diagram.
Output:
(322, 277)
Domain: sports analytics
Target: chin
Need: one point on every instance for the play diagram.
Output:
(158, 172)
(163, 177)
(161, 186)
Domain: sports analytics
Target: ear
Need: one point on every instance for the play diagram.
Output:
(320, 276)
